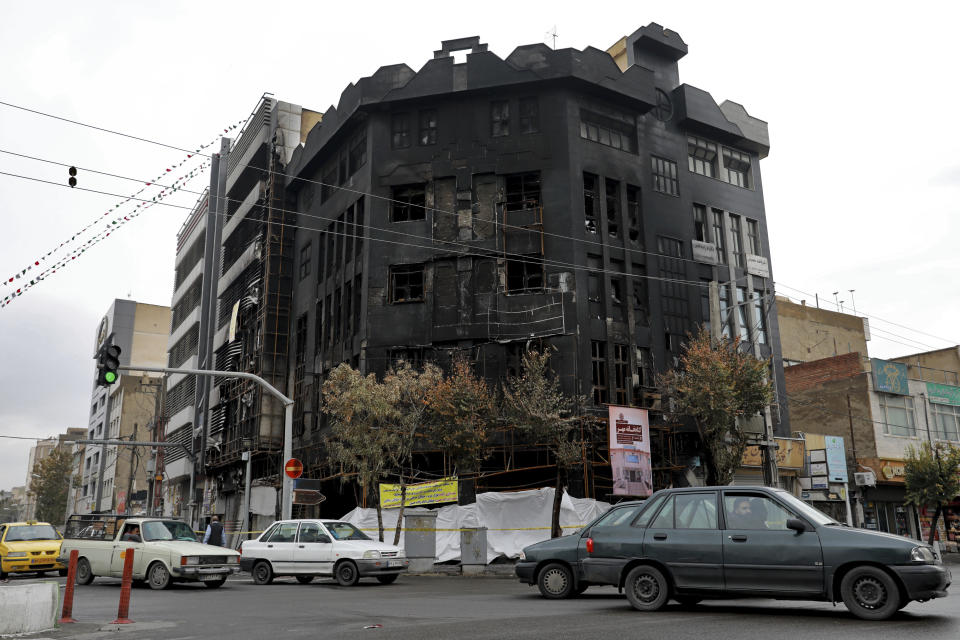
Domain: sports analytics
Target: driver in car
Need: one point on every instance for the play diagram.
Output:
(746, 515)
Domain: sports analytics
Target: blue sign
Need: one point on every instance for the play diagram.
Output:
(836, 459)
(890, 377)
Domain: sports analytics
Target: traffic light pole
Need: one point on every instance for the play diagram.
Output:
(287, 486)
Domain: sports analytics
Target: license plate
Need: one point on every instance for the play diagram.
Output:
(394, 563)
(211, 578)
(36, 560)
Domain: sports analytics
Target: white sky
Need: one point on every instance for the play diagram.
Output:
(861, 184)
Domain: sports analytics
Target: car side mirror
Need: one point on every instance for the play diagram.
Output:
(797, 525)
(323, 538)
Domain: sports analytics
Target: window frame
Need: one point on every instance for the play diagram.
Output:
(428, 122)
(404, 198)
(499, 118)
(702, 156)
(400, 135)
(406, 269)
(531, 118)
(910, 412)
(665, 176)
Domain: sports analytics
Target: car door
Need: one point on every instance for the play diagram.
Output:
(118, 554)
(614, 541)
(761, 554)
(685, 536)
(279, 546)
(313, 553)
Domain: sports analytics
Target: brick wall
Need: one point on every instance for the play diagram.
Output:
(800, 377)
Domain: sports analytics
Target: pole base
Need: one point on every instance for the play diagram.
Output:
(122, 621)
(65, 620)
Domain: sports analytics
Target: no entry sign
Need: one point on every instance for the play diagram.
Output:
(293, 468)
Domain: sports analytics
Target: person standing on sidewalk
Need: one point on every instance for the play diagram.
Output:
(214, 533)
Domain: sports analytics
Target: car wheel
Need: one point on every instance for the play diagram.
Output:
(304, 579)
(869, 593)
(63, 572)
(158, 576)
(347, 574)
(688, 601)
(215, 584)
(555, 581)
(84, 574)
(646, 588)
(262, 573)
(388, 579)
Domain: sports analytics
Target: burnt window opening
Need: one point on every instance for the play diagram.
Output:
(665, 176)
(499, 118)
(318, 333)
(406, 283)
(613, 129)
(613, 207)
(358, 153)
(591, 202)
(593, 288)
(305, 197)
(525, 275)
(358, 228)
(522, 191)
(342, 169)
(644, 375)
(428, 127)
(398, 356)
(337, 313)
(331, 248)
(400, 130)
(321, 248)
(598, 371)
(616, 290)
(328, 184)
(673, 294)
(348, 328)
(701, 230)
(348, 235)
(305, 254)
(340, 240)
(634, 221)
(408, 203)
(529, 115)
(638, 287)
(328, 321)
(621, 370)
(357, 300)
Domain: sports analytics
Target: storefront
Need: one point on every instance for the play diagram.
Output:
(790, 454)
(883, 507)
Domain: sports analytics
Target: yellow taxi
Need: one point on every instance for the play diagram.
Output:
(29, 547)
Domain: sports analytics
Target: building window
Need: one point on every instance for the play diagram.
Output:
(736, 243)
(759, 317)
(348, 235)
(613, 207)
(358, 152)
(613, 129)
(621, 369)
(753, 237)
(357, 299)
(665, 176)
(736, 168)
(428, 127)
(522, 191)
(946, 419)
(525, 275)
(337, 314)
(400, 130)
(305, 254)
(598, 362)
(328, 184)
(644, 375)
(341, 238)
(718, 235)
(634, 221)
(673, 291)
(700, 228)
(705, 304)
(742, 314)
(529, 115)
(412, 356)
(591, 202)
(318, 329)
(898, 417)
(406, 283)
(408, 203)
(499, 118)
(702, 157)
(348, 329)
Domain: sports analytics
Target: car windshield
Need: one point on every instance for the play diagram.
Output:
(344, 531)
(811, 513)
(32, 532)
(168, 530)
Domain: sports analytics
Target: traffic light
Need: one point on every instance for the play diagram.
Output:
(73, 176)
(108, 360)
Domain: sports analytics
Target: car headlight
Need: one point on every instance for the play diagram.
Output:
(523, 556)
(368, 555)
(17, 554)
(233, 559)
(922, 554)
(188, 560)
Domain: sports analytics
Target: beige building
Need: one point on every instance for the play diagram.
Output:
(38, 452)
(940, 366)
(808, 333)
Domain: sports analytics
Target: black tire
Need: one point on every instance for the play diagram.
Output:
(870, 593)
(304, 579)
(555, 581)
(215, 584)
(262, 572)
(84, 573)
(688, 601)
(158, 577)
(580, 589)
(41, 574)
(646, 588)
(347, 574)
(63, 572)
(388, 579)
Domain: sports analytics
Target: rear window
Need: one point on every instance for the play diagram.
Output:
(30, 532)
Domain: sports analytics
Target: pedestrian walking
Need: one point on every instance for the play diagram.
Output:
(214, 533)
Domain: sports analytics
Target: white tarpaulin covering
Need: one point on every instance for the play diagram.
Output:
(513, 520)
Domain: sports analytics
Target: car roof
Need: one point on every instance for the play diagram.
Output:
(31, 523)
(729, 487)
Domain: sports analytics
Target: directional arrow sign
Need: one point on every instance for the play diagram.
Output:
(307, 496)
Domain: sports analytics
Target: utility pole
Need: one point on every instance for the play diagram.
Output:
(103, 453)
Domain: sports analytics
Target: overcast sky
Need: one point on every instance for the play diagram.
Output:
(861, 186)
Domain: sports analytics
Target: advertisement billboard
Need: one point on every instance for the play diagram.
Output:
(630, 451)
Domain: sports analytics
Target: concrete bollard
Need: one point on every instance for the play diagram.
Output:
(67, 614)
(123, 610)
(420, 539)
(28, 608)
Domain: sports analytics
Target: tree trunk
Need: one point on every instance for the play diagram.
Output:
(709, 464)
(933, 524)
(555, 530)
(379, 519)
(403, 503)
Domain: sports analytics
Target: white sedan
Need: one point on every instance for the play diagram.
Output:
(309, 548)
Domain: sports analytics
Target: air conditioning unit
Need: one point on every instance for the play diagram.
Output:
(865, 479)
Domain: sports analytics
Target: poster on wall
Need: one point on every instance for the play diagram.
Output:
(630, 451)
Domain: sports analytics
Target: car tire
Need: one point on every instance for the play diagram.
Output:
(646, 588)
(347, 574)
(215, 584)
(63, 572)
(158, 577)
(84, 573)
(580, 589)
(262, 572)
(870, 593)
(555, 581)
(388, 579)
(304, 579)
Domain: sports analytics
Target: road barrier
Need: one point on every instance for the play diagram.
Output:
(124, 609)
(66, 615)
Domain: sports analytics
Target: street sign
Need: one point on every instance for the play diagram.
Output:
(311, 484)
(293, 468)
(307, 496)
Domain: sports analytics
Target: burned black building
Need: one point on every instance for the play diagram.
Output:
(579, 199)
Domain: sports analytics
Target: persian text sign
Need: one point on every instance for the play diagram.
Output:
(630, 451)
(419, 494)
(943, 394)
(836, 459)
(890, 377)
(789, 454)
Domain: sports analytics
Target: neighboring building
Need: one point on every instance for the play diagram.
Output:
(810, 333)
(939, 366)
(125, 409)
(38, 452)
(560, 198)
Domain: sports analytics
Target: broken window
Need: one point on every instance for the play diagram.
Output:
(338, 309)
(406, 283)
(591, 202)
(408, 203)
(613, 207)
(644, 375)
(522, 191)
(529, 115)
(634, 221)
(358, 226)
(340, 240)
(398, 356)
(305, 254)
(318, 337)
(348, 235)
(499, 118)
(598, 371)
(357, 298)
(400, 130)
(621, 370)
(525, 275)
(428, 127)
(358, 152)
(348, 329)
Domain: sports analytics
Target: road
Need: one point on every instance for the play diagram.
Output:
(418, 607)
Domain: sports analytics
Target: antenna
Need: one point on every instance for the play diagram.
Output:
(852, 301)
(835, 301)
(553, 34)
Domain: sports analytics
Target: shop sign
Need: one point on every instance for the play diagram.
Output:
(629, 432)
(943, 394)
(819, 482)
(836, 459)
(790, 454)
(890, 377)
(758, 266)
(887, 470)
(704, 252)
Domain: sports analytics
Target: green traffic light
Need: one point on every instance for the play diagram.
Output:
(110, 377)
